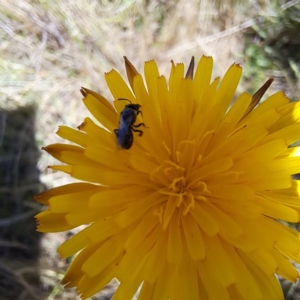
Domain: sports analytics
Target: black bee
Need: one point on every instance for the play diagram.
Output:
(126, 125)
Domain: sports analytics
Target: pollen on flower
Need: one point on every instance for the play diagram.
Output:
(190, 209)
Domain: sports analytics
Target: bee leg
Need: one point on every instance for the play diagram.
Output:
(138, 125)
(116, 131)
(139, 131)
(139, 112)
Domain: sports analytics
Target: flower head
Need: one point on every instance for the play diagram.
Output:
(193, 208)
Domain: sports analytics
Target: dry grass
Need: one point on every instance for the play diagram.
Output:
(49, 49)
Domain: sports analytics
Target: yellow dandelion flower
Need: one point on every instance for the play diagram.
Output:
(197, 207)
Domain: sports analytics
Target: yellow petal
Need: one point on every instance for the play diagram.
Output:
(50, 222)
(226, 224)
(98, 134)
(275, 101)
(225, 94)
(285, 268)
(262, 256)
(269, 286)
(174, 251)
(246, 284)
(87, 216)
(157, 255)
(202, 78)
(110, 250)
(89, 286)
(146, 292)
(131, 71)
(231, 119)
(140, 233)
(187, 278)
(74, 272)
(105, 116)
(213, 287)
(72, 135)
(219, 261)
(193, 237)
(68, 154)
(74, 244)
(206, 222)
(63, 203)
(108, 105)
(72, 188)
(277, 211)
(119, 89)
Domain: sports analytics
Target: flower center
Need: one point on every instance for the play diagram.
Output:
(180, 192)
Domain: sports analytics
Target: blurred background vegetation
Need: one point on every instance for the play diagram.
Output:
(49, 49)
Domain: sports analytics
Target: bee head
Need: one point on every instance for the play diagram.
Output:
(133, 106)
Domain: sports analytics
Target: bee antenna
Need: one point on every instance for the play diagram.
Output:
(124, 99)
